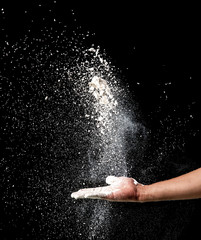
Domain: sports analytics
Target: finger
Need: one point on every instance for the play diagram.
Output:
(82, 193)
(93, 193)
(79, 195)
(111, 180)
(97, 195)
(106, 193)
(75, 195)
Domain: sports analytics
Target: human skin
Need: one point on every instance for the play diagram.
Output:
(123, 189)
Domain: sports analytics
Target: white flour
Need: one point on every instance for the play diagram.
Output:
(108, 123)
(101, 91)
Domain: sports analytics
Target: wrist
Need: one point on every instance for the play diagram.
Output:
(144, 193)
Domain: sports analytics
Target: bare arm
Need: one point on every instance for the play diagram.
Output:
(123, 189)
(187, 186)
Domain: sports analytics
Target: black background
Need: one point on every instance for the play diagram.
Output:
(151, 45)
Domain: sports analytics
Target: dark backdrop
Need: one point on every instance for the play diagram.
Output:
(151, 45)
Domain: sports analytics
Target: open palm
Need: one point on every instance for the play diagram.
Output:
(120, 189)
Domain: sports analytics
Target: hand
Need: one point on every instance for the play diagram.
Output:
(120, 189)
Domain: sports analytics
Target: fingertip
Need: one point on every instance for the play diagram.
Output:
(74, 195)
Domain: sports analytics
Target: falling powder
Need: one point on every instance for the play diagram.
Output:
(112, 123)
(101, 91)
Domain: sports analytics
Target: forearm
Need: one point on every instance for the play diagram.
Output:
(187, 186)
